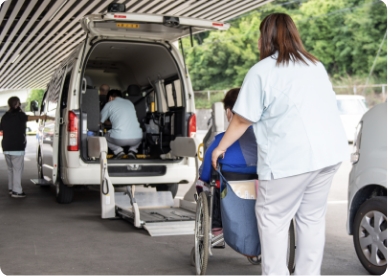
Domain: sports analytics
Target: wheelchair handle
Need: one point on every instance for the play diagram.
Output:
(221, 156)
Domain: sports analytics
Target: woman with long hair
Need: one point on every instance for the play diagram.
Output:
(13, 125)
(288, 98)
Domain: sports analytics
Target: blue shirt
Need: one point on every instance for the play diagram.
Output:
(122, 115)
(295, 117)
(241, 157)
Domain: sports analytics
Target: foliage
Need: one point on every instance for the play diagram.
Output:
(344, 34)
(34, 95)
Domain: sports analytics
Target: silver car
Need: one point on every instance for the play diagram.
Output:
(367, 198)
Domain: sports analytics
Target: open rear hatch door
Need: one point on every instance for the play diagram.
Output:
(147, 26)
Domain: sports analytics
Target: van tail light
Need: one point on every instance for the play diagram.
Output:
(72, 128)
(192, 126)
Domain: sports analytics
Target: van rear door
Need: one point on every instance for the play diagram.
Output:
(147, 26)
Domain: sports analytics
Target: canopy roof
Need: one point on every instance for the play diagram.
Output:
(36, 35)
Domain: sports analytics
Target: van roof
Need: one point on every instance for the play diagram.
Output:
(147, 26)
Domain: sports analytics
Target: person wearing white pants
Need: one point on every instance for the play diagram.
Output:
(288, 98)
(13, 125)
(278, 201)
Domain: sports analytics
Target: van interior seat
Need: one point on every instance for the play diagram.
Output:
(91, 106)
(89, 82)
(134, 94)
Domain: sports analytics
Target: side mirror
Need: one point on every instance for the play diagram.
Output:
(34, 106)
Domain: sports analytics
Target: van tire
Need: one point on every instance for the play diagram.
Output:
(173, 188)
(64, 193)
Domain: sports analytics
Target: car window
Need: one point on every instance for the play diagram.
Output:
(351, 106)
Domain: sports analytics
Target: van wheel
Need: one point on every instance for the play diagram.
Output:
(64, 193)
(173, 188)
(370, 234)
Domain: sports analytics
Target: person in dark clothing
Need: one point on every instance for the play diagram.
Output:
(13, 125)
(241, 159)
(103, 95)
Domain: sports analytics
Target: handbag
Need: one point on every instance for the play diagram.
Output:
(239, 222)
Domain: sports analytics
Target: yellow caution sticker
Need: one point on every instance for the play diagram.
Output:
(200, 152)
(127, 25)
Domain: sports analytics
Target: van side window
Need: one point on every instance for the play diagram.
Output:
(65, 90)
(174, 94)
(56, 88)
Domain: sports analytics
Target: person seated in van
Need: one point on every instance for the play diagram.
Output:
(125, 129)
(240, 158)
(103, 93)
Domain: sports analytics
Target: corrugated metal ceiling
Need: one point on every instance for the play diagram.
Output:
(36, 35)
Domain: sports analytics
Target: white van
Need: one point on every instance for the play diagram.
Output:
(123, 50)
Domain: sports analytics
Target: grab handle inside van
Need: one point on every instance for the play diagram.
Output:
(83, 86)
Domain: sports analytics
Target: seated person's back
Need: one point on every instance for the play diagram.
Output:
(125, 130)
(241, 157)
(122, 116)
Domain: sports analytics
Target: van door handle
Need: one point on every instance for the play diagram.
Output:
(61, 121)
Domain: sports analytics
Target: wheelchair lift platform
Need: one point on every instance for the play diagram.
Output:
(157, 212)
(40, 182)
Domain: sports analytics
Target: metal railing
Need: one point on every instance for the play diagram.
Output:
(205, 98)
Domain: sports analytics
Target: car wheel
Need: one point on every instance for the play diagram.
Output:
(173, 188)
(64, 193)
(370, 234)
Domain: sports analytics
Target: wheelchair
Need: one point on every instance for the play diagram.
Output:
(205, 241)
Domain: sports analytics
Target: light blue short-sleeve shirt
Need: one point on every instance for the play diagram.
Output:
(295, 118)
(122, 114)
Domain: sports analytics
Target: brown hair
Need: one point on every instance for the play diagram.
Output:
(230, 98)
(14, 104)
(279, 33)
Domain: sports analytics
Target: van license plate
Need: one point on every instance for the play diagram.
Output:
(127, 25)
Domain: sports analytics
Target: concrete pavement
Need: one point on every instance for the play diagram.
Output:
(39, 236)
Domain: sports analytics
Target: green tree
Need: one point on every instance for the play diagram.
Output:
(34, 95)
(223, 58)
(344, 35)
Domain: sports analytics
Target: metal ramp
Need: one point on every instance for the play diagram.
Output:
(40, 182)
(157, 212)
(170, 229)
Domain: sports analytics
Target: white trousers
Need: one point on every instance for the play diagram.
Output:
(15, 165)
(304, 197)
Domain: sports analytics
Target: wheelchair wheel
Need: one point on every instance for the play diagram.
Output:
(290, 250)
(201, 234)
(255, 260)
(291, 247)
(192, 256)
